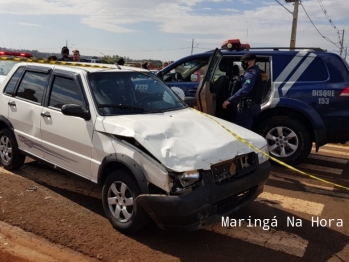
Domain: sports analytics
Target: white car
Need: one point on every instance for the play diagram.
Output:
(125, 130)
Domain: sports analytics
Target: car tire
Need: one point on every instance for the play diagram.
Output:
(10, 157)
(119, 194)
(288, 139)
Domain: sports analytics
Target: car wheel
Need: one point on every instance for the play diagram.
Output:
(288, 139)
(119, 195)
(10, 157)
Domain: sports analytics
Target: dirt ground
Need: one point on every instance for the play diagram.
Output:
(30, 199)
(49, 216)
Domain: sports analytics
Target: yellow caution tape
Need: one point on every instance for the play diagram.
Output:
(272, 158)
(42, 61)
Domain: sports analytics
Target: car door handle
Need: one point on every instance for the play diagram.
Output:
(12, 103)
(46, 114)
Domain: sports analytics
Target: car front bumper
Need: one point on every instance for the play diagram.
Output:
(206, 204)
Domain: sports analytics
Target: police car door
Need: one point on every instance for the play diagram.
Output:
(205, 95)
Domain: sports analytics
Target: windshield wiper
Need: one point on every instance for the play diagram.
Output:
(122, 107)
(153, 110)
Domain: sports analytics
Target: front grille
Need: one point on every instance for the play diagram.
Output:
(243, 164)
(229, 203)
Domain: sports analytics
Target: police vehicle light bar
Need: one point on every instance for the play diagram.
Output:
(234, 44)
(15, 54)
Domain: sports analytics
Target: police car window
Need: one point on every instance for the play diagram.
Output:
(65, 91)
(183, 71)
(10, 87)
(316, 71)
(32, 86)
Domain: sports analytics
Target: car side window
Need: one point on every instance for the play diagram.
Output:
(65, 91)
(32, 86)
(183, 72)
(11, 85)
(316, 71)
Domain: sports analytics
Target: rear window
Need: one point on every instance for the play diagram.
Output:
(32, 86)
(6, 66)
(13, 81)
(316, 71)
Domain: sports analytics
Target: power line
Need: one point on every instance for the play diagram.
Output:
(283, 6)
(329, 19)
(326, 38)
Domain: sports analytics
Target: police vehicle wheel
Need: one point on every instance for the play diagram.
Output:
(119, 195)
(288, 139)
(10, 157)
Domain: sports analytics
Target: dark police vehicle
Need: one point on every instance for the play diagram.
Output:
(307, 99)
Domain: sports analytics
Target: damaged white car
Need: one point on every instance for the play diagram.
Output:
(127, 131)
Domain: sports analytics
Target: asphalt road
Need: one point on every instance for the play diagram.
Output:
(296, 218)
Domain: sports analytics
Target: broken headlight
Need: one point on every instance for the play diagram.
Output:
(185, 182)
(263, 155)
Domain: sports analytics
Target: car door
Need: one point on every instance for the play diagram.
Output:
(67, 140)
(186, 75)
(205, 96)
(25, 107)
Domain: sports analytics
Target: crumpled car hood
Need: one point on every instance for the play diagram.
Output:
(182, 140)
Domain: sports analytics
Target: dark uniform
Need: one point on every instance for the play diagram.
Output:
(65, 55)
(247, 107)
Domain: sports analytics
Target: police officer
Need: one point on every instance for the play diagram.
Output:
(65, 54)
(247, 108)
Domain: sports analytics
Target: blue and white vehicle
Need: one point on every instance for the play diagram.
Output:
(308, 98)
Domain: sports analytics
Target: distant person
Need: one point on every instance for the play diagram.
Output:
(164, 64)
(76, 56)
(121, 61)
(144, 65)
(150, 66)
(65, 54)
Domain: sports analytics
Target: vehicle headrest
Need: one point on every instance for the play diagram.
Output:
(236, 70)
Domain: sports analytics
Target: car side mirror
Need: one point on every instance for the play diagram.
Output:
(75, 110)
(194, 77)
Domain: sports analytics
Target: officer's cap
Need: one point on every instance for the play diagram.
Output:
(248, 57)
(65, 50)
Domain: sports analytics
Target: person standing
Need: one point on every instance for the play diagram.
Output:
(76, 56)
(248, 107)
(121, 61)
(65, 54)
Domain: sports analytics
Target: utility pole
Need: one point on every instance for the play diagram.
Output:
(294, 22)
(341, 52)
(192, 46)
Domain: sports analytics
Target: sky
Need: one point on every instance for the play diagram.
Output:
(168, 29)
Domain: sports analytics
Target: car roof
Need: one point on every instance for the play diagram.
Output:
(87, 67)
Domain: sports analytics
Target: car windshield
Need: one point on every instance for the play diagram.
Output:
(119, 93)
(6, 66)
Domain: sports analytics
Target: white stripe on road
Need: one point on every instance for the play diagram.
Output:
(329, 159)
(324, 169)
(333, 152)
(295, 204)
(274, 239)
(328, 188)
(336, 146)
